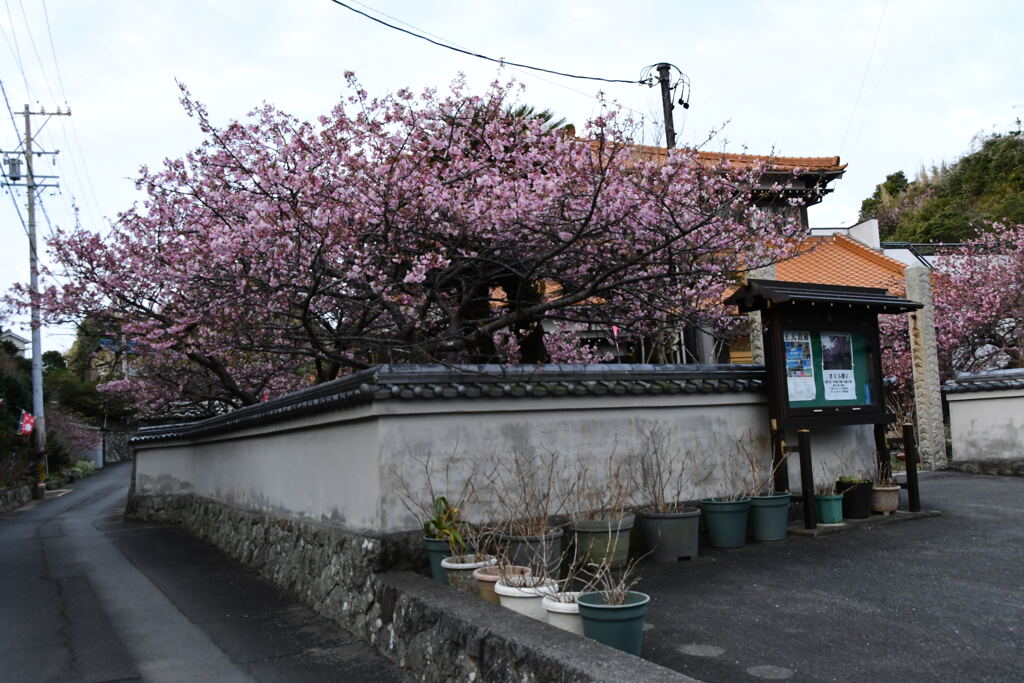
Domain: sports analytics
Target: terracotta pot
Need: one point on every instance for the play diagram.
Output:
(486, 577)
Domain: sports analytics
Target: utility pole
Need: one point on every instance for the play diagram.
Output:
(31, 187)
(666, 104)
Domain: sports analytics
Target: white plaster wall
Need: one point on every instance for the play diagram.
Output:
(987, 425)
(835, 452)
(326, 471)
(577, 430)
(348, 467)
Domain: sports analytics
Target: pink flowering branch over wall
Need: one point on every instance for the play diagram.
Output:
(978, 292)
(407, 228)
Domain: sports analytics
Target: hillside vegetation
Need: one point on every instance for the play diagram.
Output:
(954, 202)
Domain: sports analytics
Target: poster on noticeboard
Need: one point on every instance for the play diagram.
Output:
(837, 366)
(799, 365)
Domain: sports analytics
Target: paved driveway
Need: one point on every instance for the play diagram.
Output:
(937, 599)
(87, 597)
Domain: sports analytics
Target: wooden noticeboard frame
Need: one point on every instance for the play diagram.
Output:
(822, 350)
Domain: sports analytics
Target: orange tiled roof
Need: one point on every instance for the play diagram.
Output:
(809, 164)
(841, 260)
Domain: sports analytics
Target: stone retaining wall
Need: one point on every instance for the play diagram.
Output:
(1012, 468)
(364, 584)
(15, 497)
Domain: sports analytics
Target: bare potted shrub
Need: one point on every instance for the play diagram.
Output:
(828, 503)
(562, 609)
(489, 575)
(524, 592)
(885, 494)
(528, 494)
(725, 515)
(601, 521)
(666, 479)
(769, 509)
(612, 612)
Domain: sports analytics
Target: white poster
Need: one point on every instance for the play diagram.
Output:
(799, 365)
(837, 366)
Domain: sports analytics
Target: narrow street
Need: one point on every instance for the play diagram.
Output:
(88, 597)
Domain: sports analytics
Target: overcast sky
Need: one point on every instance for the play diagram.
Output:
(885, 84)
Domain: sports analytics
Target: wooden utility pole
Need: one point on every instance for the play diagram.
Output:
(31, 187)
(666, 104)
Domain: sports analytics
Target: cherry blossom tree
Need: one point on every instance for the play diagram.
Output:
(407, 228)
(979, 302)
(978, 293)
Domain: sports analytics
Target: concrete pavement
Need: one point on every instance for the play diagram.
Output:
(938, 599)
(87, 597)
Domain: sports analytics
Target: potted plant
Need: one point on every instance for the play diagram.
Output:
(560, 605)
(524, 594)
(827, 503)
(438, 513)
(885, 493)
(462, 561)
(600, 521)
(487, 577)
(529, 495)
(613, 613)
(669, 528)
(856, 491)
(769, 509)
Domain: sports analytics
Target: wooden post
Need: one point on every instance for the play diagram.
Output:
(807, 478)
(779, 464)
(910, 451)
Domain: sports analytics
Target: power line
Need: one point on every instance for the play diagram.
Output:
(485, 57)
(549, 81)
(864, 79)
(16, 50)
(35, 50)
(53, 51)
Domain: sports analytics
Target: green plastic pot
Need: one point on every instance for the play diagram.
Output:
(603, 541)
(726, 521)
(829, 508)
(769, 517)
(437, 550)
(618, 626)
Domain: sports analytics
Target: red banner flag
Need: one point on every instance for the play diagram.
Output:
(27, 424)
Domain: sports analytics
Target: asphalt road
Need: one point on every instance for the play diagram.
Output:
(87, 597)
(937, 599)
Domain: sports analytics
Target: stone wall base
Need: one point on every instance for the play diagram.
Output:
(1012, 468)
(364, 584)
(14, 497)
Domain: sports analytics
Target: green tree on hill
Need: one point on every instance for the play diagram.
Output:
(954, 203)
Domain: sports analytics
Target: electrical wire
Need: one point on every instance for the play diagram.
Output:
(525, 72)
(16, 50)
(485, 57)
(864, 79)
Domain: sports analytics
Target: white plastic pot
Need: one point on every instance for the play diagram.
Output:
(526, 600)
(460, 574)
(564, 615)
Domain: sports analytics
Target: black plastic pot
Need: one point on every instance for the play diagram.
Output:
(856, 499)
(672, 536)
(542, 554)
